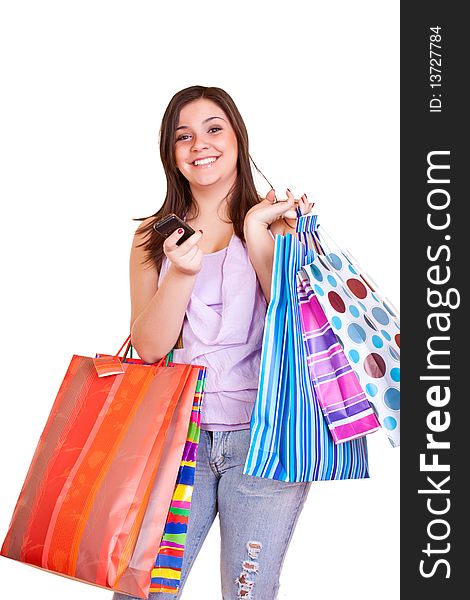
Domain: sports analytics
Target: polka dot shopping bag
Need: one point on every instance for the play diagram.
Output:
(365, 324)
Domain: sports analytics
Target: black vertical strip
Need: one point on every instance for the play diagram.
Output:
(434, 259)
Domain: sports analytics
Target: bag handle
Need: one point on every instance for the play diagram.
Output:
(128, 344)
(307, 230)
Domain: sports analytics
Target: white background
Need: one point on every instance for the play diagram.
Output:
(84, 87)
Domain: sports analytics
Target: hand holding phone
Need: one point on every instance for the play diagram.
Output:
(187, 260)
(170, 224)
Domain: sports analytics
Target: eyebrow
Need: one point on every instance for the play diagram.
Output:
(205, 121)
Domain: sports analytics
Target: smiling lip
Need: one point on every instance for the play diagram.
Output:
(205, 164)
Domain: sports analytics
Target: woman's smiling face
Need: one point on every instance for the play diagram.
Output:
(206, 147)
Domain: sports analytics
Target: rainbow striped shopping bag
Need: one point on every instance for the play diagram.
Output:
(166, 573)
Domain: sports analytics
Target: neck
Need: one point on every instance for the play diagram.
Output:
(212, 200)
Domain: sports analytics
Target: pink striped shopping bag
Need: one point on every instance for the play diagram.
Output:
(343, 402)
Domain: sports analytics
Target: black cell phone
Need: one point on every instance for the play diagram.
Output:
(171, 223)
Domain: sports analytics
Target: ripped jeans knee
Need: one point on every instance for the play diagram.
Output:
(250, 567)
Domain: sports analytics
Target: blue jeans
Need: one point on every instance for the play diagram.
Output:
(257, 519)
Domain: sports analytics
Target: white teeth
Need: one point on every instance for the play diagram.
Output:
(204, 161)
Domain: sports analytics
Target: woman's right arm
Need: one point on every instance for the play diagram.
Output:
(157, 312)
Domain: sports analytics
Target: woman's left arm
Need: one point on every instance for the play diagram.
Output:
(266, 216)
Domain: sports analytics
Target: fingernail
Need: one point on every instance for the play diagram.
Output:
(201, 231)
(180, 230)
(305, 196)
(289, 190)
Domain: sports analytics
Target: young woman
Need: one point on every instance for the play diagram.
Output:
(214, 287)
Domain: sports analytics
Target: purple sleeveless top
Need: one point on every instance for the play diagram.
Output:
(223, 330)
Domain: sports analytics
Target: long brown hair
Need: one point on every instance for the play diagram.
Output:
(178, 199)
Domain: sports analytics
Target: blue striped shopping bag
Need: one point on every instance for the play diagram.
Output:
(290, 440)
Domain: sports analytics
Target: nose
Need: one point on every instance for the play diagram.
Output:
(199, 143)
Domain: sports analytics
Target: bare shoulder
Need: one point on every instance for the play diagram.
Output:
(143, 272)
(138, 253)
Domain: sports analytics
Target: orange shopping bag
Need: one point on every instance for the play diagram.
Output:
(96, 497)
